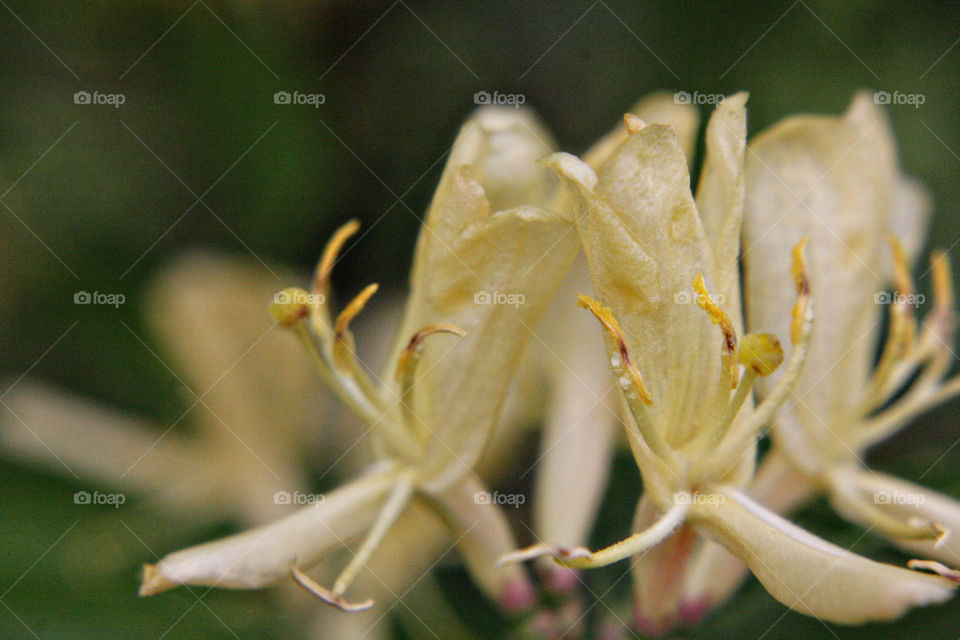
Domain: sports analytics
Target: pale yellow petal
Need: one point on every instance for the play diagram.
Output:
(720, 196)
(493, 281)
(643, 240)
(809, 574)
(831, 180)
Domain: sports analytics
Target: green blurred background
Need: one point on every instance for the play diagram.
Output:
(95, 198)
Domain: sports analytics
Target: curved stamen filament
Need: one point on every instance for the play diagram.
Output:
(582, 558)
(392, 510)
(406, 370)
(631, 382)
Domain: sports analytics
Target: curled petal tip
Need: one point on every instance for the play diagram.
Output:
(154, 581)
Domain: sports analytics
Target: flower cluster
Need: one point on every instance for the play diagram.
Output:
(813, 216)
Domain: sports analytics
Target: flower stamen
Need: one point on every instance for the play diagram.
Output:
(406, 369)
(631, 382)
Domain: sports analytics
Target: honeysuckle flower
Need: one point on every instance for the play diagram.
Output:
(250, 438)
(581, 420)
(433, 411)
(836, 180)
(679, 369)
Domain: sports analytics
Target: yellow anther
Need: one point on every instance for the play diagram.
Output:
(799, 271)
(720, 317)
(622, 362)
(634, 123)
(289, 307)
(761, 353)
(344, 338)
(321, 279)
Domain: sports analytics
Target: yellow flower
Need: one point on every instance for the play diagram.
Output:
(686, 377)
(486, 265)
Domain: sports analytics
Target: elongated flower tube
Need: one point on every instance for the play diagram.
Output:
(685, 375)
(836, 180)
(486, 265)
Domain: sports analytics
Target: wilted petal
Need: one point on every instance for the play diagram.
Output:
(808, 574)
(581, 422)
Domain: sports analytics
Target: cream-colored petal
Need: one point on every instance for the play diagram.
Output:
(480, 529)
(500, 146)
(494, 281)
(262, 556)
(720, 196)
(714, 574)
(643, 240)
(905, 501)
(831, 180)
(809, 574)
